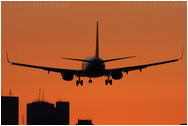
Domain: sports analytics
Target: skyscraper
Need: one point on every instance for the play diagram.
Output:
(40, 113)
(9, 110)
(62, 113)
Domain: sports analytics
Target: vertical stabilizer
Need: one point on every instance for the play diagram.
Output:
(97, 43)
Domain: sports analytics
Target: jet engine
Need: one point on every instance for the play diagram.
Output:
(117, 75)
(67, 76)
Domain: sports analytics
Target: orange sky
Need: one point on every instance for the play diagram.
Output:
(40, 33)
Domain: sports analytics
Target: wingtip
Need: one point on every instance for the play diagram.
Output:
(181, 54)
(7, 57)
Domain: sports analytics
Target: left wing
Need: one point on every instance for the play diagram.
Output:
(139, 67)
(59, 70)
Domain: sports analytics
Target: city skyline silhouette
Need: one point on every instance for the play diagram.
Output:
(39, 112)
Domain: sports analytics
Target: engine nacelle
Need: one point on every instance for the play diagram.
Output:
(67, 76)
(117, 75)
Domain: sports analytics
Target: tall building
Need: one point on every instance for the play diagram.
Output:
(9, 110)
(62, 113)
(84, 122)
(44, 113)
(40, 113)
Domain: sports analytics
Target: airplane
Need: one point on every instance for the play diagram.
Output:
(94, 67)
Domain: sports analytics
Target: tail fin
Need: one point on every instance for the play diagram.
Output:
(97, 43)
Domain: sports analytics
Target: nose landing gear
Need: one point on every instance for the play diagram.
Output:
(90, 81)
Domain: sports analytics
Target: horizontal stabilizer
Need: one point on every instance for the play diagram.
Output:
(78, 59)
(118, 58)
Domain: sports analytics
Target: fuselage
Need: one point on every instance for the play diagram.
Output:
(96, 68)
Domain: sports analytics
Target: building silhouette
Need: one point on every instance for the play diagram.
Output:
(62, 113)
(84, 122)
(40, 113)
(9, 110)
(44, 113)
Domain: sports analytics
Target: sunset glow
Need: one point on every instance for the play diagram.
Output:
(40, 33)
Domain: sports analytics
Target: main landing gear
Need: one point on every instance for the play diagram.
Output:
(79, 81)
(108, 81)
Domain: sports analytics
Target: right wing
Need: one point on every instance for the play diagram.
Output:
(59, 70)
(139, 67)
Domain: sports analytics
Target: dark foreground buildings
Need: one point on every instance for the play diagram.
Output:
(44, 113)
(62, 113)
(84, 122)
(9, 110)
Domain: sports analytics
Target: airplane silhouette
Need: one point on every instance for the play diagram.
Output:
(93, 67)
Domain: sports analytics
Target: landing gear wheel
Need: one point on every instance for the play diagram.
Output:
(106, 82)
(77, 83)
(110, 81)
(81, 82)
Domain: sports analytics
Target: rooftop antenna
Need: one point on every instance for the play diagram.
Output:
(39, 93)
(43, 95)
(10, 93)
